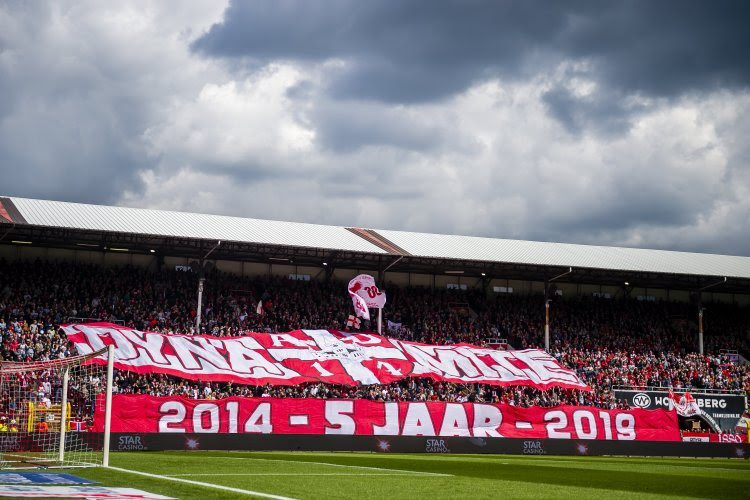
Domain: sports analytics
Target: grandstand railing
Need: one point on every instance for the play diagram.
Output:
(694, 390)
(75, 319)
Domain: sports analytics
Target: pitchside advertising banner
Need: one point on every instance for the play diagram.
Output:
(725, 409)
(236, 415)
(328, 356)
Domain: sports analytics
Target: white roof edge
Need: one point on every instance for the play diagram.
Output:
(158, 222)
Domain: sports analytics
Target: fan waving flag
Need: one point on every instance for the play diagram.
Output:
(365, 287)
(353, 322)
(685, 405)
(360, 306)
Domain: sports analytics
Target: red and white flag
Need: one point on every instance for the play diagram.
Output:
(259, 309)
(364, 286)
(353, 322)
(685, 405)
(360, 306)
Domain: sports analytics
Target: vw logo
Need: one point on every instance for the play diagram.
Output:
(642, 400)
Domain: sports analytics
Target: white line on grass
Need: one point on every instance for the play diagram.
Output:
(340, 465)
(339, 474)
(199, 483)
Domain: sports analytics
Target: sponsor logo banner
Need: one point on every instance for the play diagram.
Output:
(724, 409)
(41, 478)
(75, 492)
(706, 437)
(151, 414)
(328, 356)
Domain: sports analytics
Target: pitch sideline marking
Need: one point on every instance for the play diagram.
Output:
(339, 474)
(340, 465)
(199, 483)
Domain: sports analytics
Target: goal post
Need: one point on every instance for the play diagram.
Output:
(47, 411)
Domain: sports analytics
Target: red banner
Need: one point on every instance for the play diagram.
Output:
(141, 413)
(712, 437)
(328, 356)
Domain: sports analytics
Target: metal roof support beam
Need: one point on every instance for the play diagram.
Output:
(700, 312)
(546, 306)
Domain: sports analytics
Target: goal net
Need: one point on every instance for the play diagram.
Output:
(47, 410)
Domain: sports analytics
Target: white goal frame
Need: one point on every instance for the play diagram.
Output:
(32, 442)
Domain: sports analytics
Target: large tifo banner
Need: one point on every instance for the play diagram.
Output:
(143, 413)
(318, 356)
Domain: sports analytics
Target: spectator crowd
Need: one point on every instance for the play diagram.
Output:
(609, 342)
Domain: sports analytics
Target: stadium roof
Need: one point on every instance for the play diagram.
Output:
(62, 224)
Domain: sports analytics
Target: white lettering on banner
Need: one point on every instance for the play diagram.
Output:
(730, 438)
(260, 421)
(192, 351)
(280, 338)
(487, 419)
(543, 367)
(338, 414)
(446, 362)
(391, 422)
(245, 357)
(455, 422)
(418, 421)
(150, 345)
(625, 424)
(389, 367)
(173, 412)
(213, 418)
(233, 408)
(557, 420)
(317, 355)
(583, 419)
(364, 417)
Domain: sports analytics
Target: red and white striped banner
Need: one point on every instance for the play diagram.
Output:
(141, 413)
(318, 356)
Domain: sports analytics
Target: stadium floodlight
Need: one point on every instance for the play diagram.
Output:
(20, 242)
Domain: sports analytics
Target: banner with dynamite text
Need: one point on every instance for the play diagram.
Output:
(328, 356)
(171, 414)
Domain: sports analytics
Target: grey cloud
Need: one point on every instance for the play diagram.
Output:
(63, 133)
(345, 126)
(608, 113)
(411, 51)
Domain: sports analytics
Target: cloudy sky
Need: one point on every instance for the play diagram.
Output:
(615, 123)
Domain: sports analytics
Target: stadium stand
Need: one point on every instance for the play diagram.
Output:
(65, 262)
(623, 342)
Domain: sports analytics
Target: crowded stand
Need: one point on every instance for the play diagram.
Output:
(608, 342)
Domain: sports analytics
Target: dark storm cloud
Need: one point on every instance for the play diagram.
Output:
(61, 135)
(411, 51)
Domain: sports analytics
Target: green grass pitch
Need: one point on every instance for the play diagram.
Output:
(391, 476)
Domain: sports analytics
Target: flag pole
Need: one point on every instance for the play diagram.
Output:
(380, 321)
